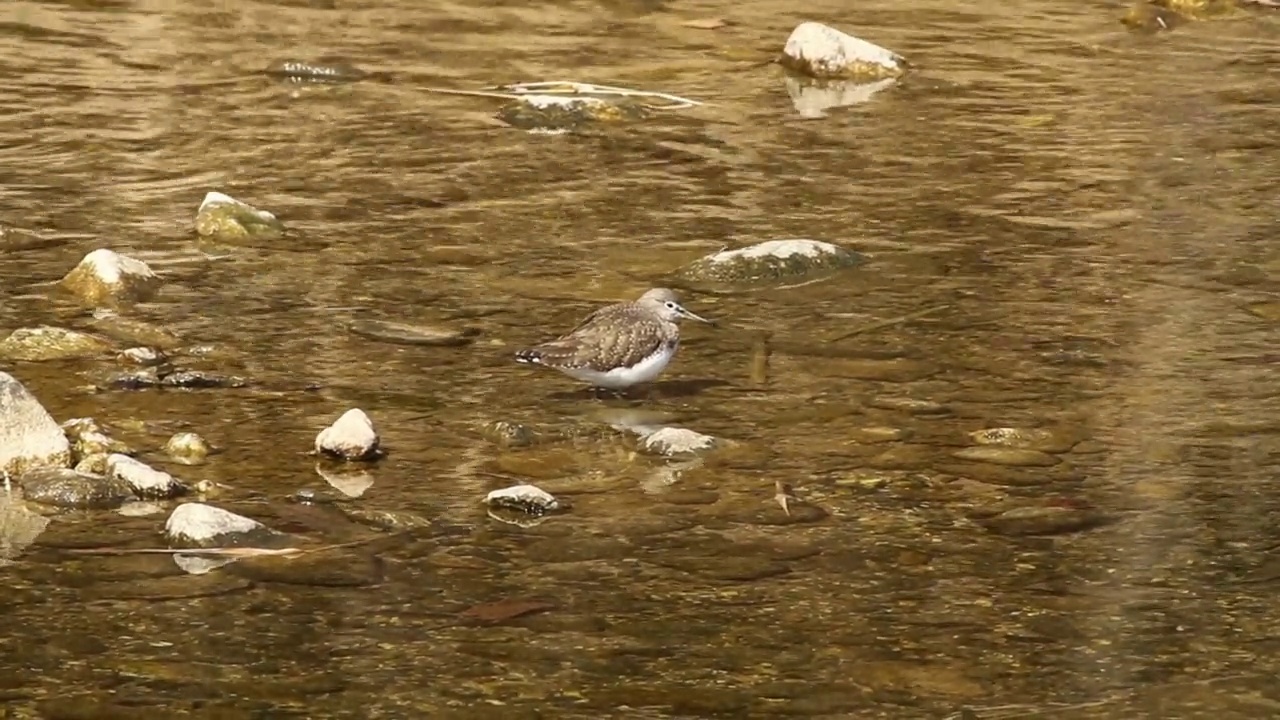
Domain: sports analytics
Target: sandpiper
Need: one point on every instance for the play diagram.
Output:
(618, 345)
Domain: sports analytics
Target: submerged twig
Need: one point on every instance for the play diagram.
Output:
(889, 323)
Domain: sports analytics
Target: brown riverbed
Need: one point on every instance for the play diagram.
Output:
(1093, 212)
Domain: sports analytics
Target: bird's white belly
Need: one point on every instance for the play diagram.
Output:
(647, 370)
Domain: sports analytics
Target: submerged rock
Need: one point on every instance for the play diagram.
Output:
(821, 51)
(404, 334)
(350, 437)
(143, 356)
(558, 113)
(671, 441)
(107, 277)
(812, 98)
(63, 487)
(146, 482)
(1051, 441)
(771, 260)
(222, 217)
(1018, 457)
(525, 498)
(187, 448)
(200, 525)
(1045, 520)
(45, 342)
(88, 438)
(29, 436)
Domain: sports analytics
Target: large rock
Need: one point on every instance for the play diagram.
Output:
(104, 277)
(823, 52)
(350, 437)
(88, 438)
(45, 342)
(770, 260)
(222, 217)
(671, 441)
(63, 487)
(200, 525)
(29, 436)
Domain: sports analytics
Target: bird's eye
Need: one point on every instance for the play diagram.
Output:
(671, 305)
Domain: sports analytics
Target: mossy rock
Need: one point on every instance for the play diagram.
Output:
(557, 113)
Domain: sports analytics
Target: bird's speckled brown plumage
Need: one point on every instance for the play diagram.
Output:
(614, 337)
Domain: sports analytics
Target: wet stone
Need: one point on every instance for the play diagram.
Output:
(770, 513)
(143, 356)
(63, 487)
(187, 448)
(200, 379)
(1044, 440)
(105, 277)
(388, 520)
(820, 51)
(87, 438)
(350, 437)
(45, 342)
(879, 434)
(688, 497)
(325, 568)
(29, 437)
(771, 261)
(200, 525)
(909, 405)
(134, 331)
(1044, 520)
(223, 218)
(509, 434)
(1017, 457)
(673, 441)
(146, 482)
(525, 498)
(406, 334)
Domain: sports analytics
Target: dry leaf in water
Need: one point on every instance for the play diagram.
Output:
(706, 23)
(505, 609)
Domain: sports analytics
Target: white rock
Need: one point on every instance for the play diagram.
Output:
(821, 51)
(351, 437)
(104, 275)
(526, 498)
(202, 524)
(676, 441)
(774, 260)
(29, 436)
(800, 247)
(812, 98)
(214, 199)
(146, 481)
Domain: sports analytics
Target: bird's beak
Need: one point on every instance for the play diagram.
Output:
(699, 318)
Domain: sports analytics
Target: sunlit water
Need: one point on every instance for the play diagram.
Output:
(1090, 214)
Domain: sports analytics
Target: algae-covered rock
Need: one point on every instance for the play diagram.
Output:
(222, 217)
(821, 51)
(558, 114)
(87, 438)
(64, 487)
(45, 342)
(771, 260)
(29, 436)
(187, 448)
(105, 277)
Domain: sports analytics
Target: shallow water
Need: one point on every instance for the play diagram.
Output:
(1089, 213)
